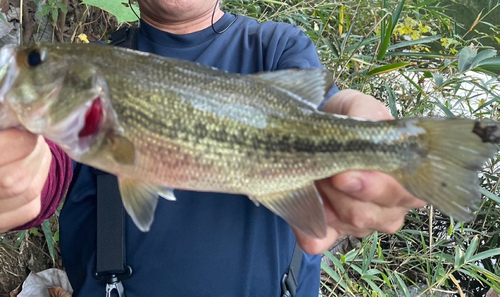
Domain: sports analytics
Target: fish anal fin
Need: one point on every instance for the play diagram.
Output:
(302, 208)
(167, 193)
(140, 200)
(311, 85)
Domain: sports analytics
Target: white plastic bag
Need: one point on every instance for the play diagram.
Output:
(38, 284)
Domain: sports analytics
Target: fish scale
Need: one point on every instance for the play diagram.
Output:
(174, 124)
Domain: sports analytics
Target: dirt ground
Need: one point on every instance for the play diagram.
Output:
(17, 262)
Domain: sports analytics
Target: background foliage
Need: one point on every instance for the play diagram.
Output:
(421, 58)
(417, 59)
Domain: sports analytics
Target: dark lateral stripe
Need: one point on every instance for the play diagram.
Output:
(332, 145)
(200, 134)
(229, 134)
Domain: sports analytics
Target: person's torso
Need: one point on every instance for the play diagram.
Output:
(202, 244)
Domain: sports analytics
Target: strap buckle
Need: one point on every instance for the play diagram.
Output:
(111, 277)
(288, 284)
(113, 280)
(115, 286)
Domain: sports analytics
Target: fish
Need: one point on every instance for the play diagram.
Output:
(160, 124)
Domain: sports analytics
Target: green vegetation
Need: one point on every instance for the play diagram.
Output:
(415, 57)
(412, 56)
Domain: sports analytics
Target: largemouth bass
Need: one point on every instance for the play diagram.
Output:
(160, 124)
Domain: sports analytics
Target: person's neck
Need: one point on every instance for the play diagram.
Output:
(184, 26)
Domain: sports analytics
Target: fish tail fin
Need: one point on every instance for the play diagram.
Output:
(446, 175)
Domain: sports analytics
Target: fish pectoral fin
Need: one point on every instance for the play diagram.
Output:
(167, 193)
(302, 208)
(140, 200)
(309, 84)
(122, 149)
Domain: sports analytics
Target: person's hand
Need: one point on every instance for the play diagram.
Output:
(24, 165)
(358, 203)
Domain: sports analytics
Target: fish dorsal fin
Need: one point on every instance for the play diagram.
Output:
(302, 208)
(311, 85)
(140, 200)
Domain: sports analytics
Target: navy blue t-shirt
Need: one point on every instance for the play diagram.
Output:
(203, 244)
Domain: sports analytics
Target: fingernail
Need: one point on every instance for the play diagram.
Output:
(352, 185)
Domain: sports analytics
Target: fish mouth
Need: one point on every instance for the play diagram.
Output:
(74, 133)
(8, 119)
(6, 54)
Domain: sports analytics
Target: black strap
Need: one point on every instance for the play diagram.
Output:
(289, 279)
(110, 257)
(111, 265)
(125, 37)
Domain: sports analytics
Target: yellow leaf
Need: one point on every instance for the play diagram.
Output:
(341, 20)
(474, 24)
(83, 38)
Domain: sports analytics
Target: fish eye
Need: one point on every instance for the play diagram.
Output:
(34, 58)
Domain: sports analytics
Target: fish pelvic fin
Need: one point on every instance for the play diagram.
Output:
(140, 200)
(311, 85)
(302, 208)
(447, 176)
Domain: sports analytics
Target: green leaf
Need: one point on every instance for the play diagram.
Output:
(489, 195)
(62, 7)
(445, 109)
(20, 237)
(386, 39)
(363, 42)
(56, 236)
(375, 287)
(48, 238)
(329, 255)
(489, 53)
(334, 275)
(392, 101)
(470, 271)
(472, 248)
(490, 276)
(373, 248)
(459, 257)
(492, 64)
(372, 271)
(34, 231)
(485, 254)
(388, 68)
(424, 55)
(465, 57)
(438, 78)
(408, 43)
(119, 8)
(342, 258)
(55, 14)
(387, 282)
(338, 265)
(396, 14)
(401, 284)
